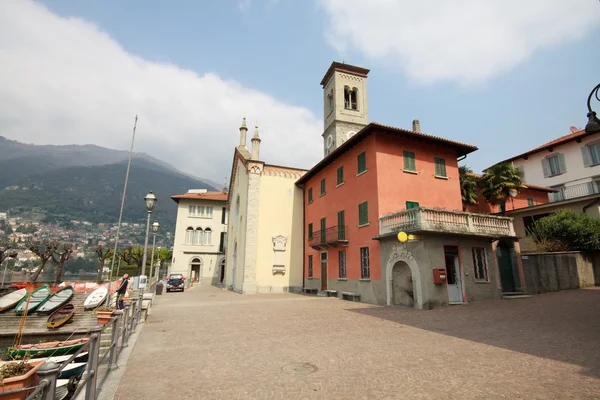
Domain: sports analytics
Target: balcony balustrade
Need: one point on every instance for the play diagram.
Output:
(422, 219)
(330, 237)
(574, 191)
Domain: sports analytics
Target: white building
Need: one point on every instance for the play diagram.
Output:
(200, 235)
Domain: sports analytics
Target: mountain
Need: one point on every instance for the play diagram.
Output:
(86, 183)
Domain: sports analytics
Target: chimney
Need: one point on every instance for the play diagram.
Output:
(574, 129)
(243, 131)
(416, 126)
(255, 145)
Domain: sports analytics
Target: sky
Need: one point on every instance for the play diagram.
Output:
(504, 75)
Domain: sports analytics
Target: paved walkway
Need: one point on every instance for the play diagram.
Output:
(208, 343)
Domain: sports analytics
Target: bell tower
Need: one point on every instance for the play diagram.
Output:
(344, 104)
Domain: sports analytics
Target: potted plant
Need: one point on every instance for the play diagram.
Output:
(19, 374)
(104, 314)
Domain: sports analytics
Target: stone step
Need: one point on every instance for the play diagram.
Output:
(516, 296)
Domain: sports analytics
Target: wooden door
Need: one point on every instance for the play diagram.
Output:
(324, 271)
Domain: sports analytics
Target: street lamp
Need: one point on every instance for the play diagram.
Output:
(12, 255)
(155, 226)
(150, 202)
(593, 125)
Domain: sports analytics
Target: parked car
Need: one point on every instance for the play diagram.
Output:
(175, 282)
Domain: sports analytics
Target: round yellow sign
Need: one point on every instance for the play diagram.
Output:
(402, 237)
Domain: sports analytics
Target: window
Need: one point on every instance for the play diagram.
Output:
(440, 167)
(362, 162)
(591, 154)
(554, 165)
(189, 235)
(365, 270)
(411, 204)
(201, 211)
(322, 186)
(342, 263)
(222, 242)
(340, 175)
(224, 215)
(199, 236)
(209, 212)
(323, 230)
(480, 264)
(409, 161)
(207, 236)
(350, 96)
(363, 213)
(192, 211)
(310, 199)
(310, 231)
(341, 225)
(530, 202)
(310, 266)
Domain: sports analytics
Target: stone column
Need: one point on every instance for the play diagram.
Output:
(251, 245)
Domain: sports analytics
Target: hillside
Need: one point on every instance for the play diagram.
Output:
(40, 178)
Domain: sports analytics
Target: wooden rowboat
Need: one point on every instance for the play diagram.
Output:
(48, 349)
(38, 297)
(61, 316)
(10, 300)
(72, 370)
(95, 298)
(57, 300)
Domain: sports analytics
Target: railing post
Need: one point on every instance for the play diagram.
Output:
(419, 217)
(92, 367)
(133, 315)
(470, 225)
(114, 340)
(141, 303)
(48, 374)
(125, 325)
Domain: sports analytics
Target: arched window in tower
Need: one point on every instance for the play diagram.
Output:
(199, 237)
(189, 235)
(207, 236)
(330, 99)
(350, 98)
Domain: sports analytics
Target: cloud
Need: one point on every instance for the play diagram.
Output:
(468, 41)
(64, 81)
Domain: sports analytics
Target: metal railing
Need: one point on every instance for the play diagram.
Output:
(332, 234)
(123, 324)
(574, 191)
(434, 220)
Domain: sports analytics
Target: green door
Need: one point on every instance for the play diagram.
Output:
(505, 266)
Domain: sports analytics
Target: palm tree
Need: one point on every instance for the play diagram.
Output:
(468, 186)
(501, 182)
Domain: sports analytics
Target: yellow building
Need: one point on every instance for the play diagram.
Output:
(264, 251)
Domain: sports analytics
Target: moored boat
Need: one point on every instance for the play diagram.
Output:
(38, 297)
(57, 300)
(48, 349)
(72, 370)
(61, 316)
(95, 298)
(10, 300)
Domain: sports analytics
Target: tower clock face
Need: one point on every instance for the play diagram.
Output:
(329, 142)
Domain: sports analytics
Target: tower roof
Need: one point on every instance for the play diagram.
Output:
(338, 66)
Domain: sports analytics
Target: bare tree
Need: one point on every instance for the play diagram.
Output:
(7, 250)
(103, 253)
(61, 254)
(44, 251)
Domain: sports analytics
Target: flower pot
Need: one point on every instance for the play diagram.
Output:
(103, 317)
(30, 379)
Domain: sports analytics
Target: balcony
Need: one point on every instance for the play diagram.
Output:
(423, 219)
(574, 191)
(331, 237)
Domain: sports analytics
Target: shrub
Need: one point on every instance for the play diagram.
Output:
(566, 230)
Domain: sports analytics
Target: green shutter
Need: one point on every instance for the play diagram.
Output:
(411, 204)
(323, 186)
(323, 230)
(310, 231)
(363, 213)
(322, 224)
(440, 167)
(362, 162)
(409, 161)
(310, 199)
(340, 175)
(341, 225)
(530, 202)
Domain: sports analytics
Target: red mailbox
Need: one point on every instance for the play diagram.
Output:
(439, 276)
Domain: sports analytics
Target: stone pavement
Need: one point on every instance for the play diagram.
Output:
(208, 343)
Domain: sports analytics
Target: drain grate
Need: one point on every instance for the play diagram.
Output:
(300, 369)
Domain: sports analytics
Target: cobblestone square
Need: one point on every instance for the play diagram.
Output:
(208, 343)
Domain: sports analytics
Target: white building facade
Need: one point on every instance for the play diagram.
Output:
(200, 237)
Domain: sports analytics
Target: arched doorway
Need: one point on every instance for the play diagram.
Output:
(402, 285)
(222, 270)
(505, 267)
(196, 268)
(401, 257)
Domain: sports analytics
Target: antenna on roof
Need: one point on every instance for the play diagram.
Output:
(225, 188)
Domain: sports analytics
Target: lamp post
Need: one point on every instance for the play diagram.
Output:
(155, 226)
(150, 202)
(593, 125)
(12, 255)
